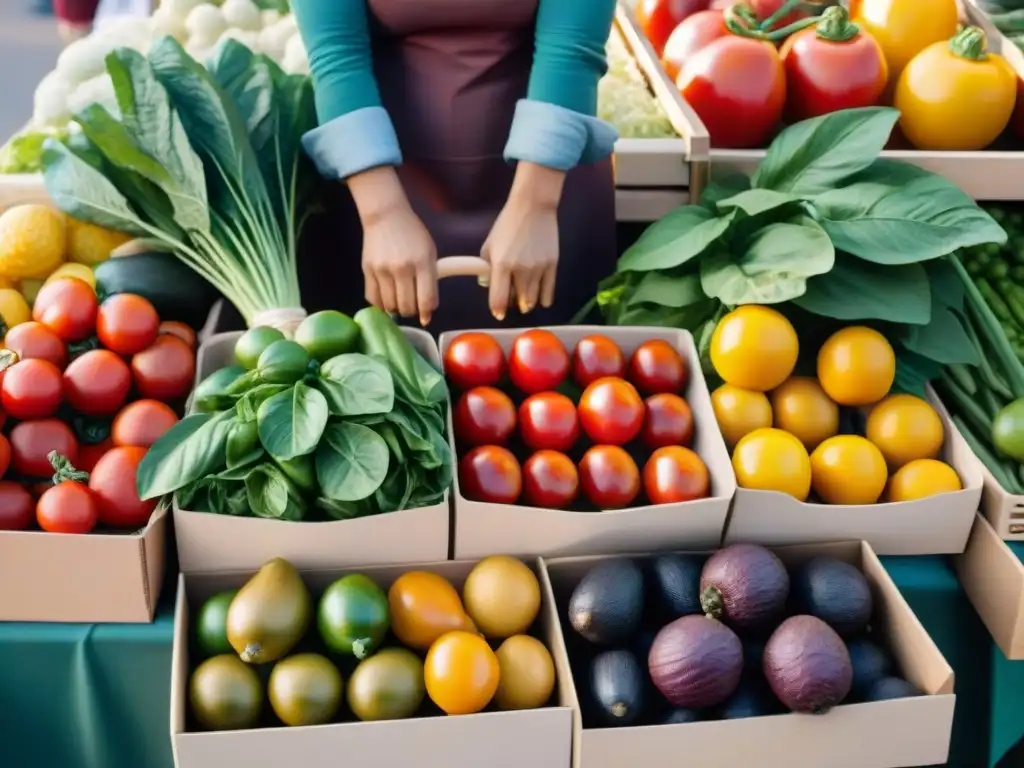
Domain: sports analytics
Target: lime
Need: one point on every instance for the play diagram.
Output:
(353, 616)
(252, 343)
(283, 362)
(328, 333)
(1008, 430)
(211, 624)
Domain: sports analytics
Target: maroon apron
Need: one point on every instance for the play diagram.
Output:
(450, 73)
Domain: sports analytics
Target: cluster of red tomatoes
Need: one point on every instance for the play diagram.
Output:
(573, 447)
(84, 393)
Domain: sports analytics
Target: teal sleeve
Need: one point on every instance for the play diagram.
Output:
(355, 131)
(556, 124)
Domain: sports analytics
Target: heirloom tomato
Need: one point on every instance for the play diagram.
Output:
(68, 507)
(657, 18)
(611, 411)
(737, 86)
(31, 389)
(904, 28)
(474, 360)
(690, 36)
(548, 420)
(97, 383)
(550, 480)
(609, 477)
(595, 357)
(668, 420)
(674, 474)
(32, 441)
(67, 307)
(127, 323)
(112, 482)
(34, 340)
(539, 361)
(17, 507)
(484, 416)
(490, 473)
(832, 66)
(656, 367)
(956, 95)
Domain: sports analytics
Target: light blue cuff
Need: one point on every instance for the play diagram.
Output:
(556, 137)
(352, 143)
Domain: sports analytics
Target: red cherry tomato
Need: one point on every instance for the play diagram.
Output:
(737, 86)
(181, 330)
(550, 480)
(674, 474)
(67, 507)
(31, 389)
(490, 473)
(474, 360)
(548, 420)
(656, 367)
(32, 441)
(538, 362)
(689, 37)
(668, 420)
(17, 507)
(127, 324)
(88, 455)
(609, 477)
(165, 370)
(142, 423)
(765, 9)
(112, 482)
(657, 18)
(67, 307)
(596, 357)
(34, 340)
(825, 74)
(484, 416)
(611, 411)
(97, 383)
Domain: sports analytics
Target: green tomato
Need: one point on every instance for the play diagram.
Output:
(252, 344)
(1008, 430)
(327, 334)
(283, 362)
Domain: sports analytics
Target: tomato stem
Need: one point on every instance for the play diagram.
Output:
(969, 43)
(740, 20)
(835, 25)
(64, 470)
(784, 10)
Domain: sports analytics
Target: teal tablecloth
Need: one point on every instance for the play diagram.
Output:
(80, 696)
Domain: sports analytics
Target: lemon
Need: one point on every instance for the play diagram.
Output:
(848, 469)
(30, 289)
(13, 308)
(905, 428)
(82, 272)
(527, 674)
(856, 366)
(90, 244)
(754, 347)
(773, 460)
(33, 241)
(802, 408)
(922, 478)
(740, 411)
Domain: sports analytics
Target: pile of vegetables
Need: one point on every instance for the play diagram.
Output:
(826, 232)
(310, 428)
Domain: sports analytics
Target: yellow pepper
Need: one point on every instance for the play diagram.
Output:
(956, 95)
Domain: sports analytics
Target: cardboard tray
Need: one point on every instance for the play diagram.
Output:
(89, 578)
(483, 529)
(938, 525)
(539, 738)
(903, 732)
(993, 578)
(990, 175)
(1004, 510)
(209, 542)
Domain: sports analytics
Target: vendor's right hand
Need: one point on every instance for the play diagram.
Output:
(400, 264)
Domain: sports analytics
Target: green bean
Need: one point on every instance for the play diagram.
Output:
(989, 327)
(988, 374)
(962, 376)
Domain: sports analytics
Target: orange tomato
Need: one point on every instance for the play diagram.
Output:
(425, 606)
(461, 673)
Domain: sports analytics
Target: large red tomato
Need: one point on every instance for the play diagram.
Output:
(31, 389)
(737, 86)
(832, 66)
(609, 477)
(657, 18)
(165, 370)
(141, 424)
(32, 441)
(675, 474)
(17, 507)
(550, 480)
(595, 357)
(68, 507)
(474, 360)
(127, 323)
(611, 411)
(690, 36)
(97, 383)
(539, 361)
(35, 340)
(548, 420)
(484, 416)
(490, 473)
(112, 482)
(67, 307)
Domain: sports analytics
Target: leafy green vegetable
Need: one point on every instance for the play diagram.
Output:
(191, 449)
(292, 422)
(356, 385)
(351, 463)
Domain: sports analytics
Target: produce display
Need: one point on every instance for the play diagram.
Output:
(344, 420)
(838, 437)
(674, 639)
(558, 430)
(276, 653)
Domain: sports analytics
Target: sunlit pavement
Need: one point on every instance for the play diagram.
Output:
(28, 50)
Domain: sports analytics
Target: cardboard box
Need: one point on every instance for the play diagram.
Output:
(209, 542)
(934, 526)
(486, 529)
(539, 738)
(902, 732)
(993, 578)
(1004, 510)
(89, 578)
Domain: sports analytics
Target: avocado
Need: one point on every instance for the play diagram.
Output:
(835, 592)
(305, 690)
(886, 688)
(617, 683)
(607, 604)
(869, 662)
(212, 624)
(353, 616)
(270, 614)
(225, 694)
(680, 715)
(674, 586)
(387, 686)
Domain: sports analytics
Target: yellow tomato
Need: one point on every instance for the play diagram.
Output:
(856, 366)
(14, 310)
(955, 95)
(773, 460)
(904, 28)
(82, 272)
(905, 428)
(802, 408)
(922, 478)
(848, 469)
(461, 673)
(740, 411)
(754, 348)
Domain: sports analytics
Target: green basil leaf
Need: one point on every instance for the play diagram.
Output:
(667, 290)
(855, 290)
(397, 489)
(191, 449)
(754, 202)
(272, 495)
(945, 283)
(815, 155)
(351, 462)
(721, 186)
(675, 239)
(244, 383)
(247, 407)
(300, 471)
(292, 422)
(356, 385)
(243, 444)
(943, 340)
